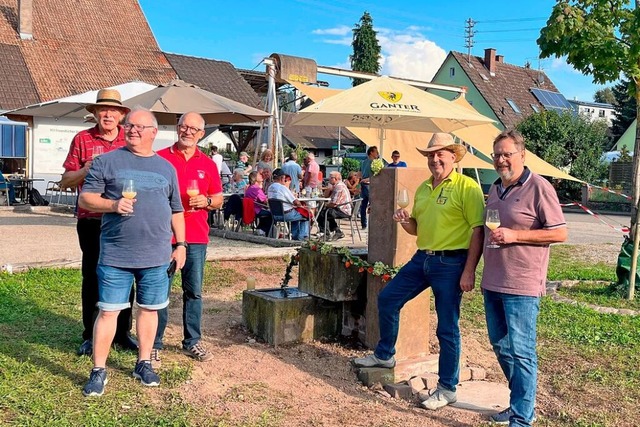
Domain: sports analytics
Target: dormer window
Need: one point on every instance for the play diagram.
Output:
(513, 105)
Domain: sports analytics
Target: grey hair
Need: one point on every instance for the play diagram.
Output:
(139, 108)
(198, 115)
(513, 134)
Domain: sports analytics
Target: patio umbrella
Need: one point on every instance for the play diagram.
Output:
(385, 103)
(170, 101)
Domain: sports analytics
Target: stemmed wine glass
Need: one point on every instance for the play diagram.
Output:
(403, 202)
(129, 192)
(193, 190)
(493, 222)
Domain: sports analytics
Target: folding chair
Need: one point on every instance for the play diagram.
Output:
(353, 219)
(277, 212)
(233, 212)
(4, 188)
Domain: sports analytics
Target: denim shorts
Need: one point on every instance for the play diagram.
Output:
(114, 287)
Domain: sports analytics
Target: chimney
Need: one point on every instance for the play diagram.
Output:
(500, 58)
(490, 60)
(25, 19)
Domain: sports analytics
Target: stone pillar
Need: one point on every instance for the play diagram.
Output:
(390, 244)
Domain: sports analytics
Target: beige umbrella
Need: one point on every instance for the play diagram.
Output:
(170, 101)
(385, 103)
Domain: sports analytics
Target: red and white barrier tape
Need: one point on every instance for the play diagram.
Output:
(622, 229)
(608, 190)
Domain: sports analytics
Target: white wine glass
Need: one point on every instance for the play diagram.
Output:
(193, 190)
(403, 202)
(492, 222)
(129, 192)
(98, 150)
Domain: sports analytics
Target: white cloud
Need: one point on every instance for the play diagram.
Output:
(345, 41)
(341, 30)
(560, 64)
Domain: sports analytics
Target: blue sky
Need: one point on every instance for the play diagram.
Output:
(415, 36)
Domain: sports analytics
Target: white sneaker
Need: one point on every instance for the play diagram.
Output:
(371, 361)
(260, 232)
(439, 399)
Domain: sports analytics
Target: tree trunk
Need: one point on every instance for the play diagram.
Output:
(636, 196)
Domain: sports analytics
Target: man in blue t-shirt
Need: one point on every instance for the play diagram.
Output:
(138, 193)
(396, 163)
(293, 169)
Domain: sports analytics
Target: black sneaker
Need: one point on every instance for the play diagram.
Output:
(96, 383)
(126, 342)
(337, 235)
(145, 373)
(86, 348)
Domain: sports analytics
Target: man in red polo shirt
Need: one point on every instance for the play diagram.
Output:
(194, 168)
(105, 136)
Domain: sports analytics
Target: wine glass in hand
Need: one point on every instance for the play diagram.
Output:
(193, 190)
(403, 202)
(129, 192)
(492, 222)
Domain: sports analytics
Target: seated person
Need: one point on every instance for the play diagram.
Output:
(279, 189)
(353, 183)
(243, 164)
(9, 186)
(254, 191)
(266, 177)
(238, 183)
(266, 160)
(339, 206)
(225, 175)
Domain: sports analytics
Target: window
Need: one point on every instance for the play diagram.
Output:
(228, 146)
(452, 72)
(601, 113)
(13, 141)
(513, 105)
(535, 108)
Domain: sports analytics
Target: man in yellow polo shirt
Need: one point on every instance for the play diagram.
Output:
(447, 219)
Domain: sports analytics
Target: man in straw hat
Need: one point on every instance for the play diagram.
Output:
(106, 135)
(447, 218)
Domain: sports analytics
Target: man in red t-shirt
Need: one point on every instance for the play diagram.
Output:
(105, 136)
(198, 175)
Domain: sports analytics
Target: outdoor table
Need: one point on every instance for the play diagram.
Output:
(319, 201)
(23, 187)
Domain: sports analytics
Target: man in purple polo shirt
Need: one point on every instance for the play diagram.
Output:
(515, 272)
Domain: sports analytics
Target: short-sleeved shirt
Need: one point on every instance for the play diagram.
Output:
(340, 195)
(255, 193)
(400, 164)
(518, 268)
(218, 159)
(203, 169)
(365, 168)
(144, 239)
(447, 214)
(312, 174)
(81, 152)
(294, 171)
(280, 192)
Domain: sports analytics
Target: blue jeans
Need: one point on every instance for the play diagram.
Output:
(511, 324)
(442, 274)
(299, 226)
(114, 287)
(192, 274)
(364, 193)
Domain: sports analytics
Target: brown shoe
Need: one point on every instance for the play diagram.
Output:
(198, 352)
(155, 358)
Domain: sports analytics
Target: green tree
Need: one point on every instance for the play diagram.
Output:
(604, 96)
(569, 142)
(600, 38)
(625, 108)
(366, 49)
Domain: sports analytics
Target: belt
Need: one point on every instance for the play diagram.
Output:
(287, 211)
(454, 252)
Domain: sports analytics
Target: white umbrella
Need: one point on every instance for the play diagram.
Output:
(385, 103)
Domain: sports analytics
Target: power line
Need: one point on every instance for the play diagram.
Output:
(508, 31)
(491, 21)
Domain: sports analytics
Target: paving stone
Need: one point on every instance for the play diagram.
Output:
(370, 376)
(416, 384)
(465, 374)
(478, 373)
(399, 391)
(430, 380)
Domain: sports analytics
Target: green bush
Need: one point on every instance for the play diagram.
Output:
(349, 165)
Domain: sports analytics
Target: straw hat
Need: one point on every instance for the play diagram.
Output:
(444, 141)
(110, 98)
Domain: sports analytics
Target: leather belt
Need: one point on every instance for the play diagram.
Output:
(454, 252)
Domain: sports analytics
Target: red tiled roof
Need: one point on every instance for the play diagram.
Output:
(79, 46)
(510, 81)
(219, 77)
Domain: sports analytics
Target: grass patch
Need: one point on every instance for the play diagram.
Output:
(599, 294)
(564, 266)
(217, 277)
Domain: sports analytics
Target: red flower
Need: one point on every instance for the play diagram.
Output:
(361, 269)
(313, 247)
(386, 277)
(370, 270)
(347, 264)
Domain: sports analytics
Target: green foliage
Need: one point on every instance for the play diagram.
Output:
(625, 108)
(349, 165)
(605, 96)
(366, 48)
(569, 142)
(301, 152)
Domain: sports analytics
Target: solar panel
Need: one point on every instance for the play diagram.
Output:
(551, 100)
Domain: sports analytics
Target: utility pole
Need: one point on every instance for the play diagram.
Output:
(469, 32)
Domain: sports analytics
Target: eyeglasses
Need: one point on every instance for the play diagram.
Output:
(137, 128)
(506, 156)
(188, 129)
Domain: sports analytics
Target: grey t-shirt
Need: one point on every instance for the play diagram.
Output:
(144, 239)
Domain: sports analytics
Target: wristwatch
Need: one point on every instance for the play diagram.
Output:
(184, 244)
(209, 201)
